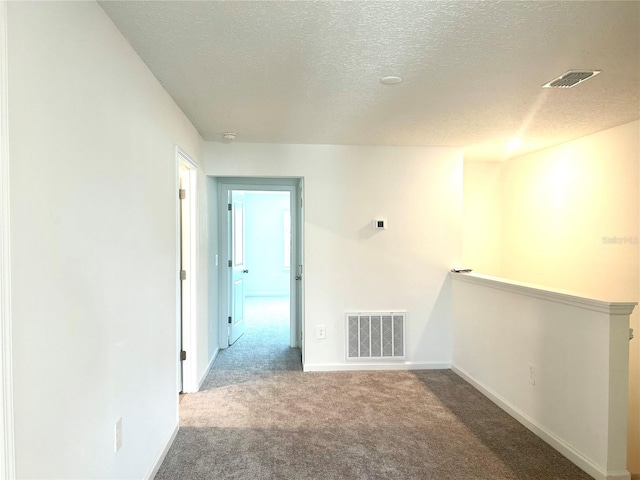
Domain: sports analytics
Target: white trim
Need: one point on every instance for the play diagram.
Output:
(7, 445)
(206, 372)
(560, 445)
(344, 367)
(185, 156)
(544, 293)
(299, 267)
(190, 380)
(158, 463)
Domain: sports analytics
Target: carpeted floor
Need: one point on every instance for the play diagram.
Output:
(259, 417)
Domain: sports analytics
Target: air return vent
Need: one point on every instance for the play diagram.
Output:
(571, 78)
(376, 336)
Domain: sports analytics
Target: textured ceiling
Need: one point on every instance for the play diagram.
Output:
(308, 72)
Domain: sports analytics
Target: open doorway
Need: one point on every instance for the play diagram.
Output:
(267, 249)
(261, 242)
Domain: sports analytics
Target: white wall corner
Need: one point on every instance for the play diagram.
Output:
(206, 370)
(7, 448)
(158, 463)
(618, 390)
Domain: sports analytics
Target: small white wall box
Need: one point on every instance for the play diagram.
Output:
(380, 224)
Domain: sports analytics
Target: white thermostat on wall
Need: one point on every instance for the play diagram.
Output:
(380, 224)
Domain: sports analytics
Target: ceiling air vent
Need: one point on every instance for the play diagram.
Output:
(571, 78)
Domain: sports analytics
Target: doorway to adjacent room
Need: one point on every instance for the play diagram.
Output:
(261, 244)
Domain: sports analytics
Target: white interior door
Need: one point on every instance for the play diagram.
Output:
(238, 269)
(183, 181)
(188, 380)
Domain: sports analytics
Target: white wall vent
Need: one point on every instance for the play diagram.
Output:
(376, 336)
(571, 78)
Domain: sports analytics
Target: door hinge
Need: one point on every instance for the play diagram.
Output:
(183, 355)
(229, 207)
(229, 320)
(183, 274)
(182, 193)
(230, 263)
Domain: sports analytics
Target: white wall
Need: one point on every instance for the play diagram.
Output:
(561, 204)
(348, 265)
(482, 225)
(561, 209)
(93, 224)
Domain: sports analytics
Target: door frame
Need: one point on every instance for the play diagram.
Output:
(7, 445)
(292, 185)
(186, 290)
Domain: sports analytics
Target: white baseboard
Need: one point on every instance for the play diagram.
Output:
(206, 372)
(158, 463)
(345, 367)
(560, 445)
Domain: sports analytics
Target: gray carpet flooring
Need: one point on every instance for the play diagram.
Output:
(258, 416)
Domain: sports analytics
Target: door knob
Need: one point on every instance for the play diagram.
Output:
(245, 271)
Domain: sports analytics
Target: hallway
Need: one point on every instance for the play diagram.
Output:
(258, 417)
(264, 347)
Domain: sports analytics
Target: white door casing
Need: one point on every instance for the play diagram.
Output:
(298, 340)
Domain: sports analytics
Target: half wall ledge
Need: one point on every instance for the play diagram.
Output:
(556, 361)
(545, 293)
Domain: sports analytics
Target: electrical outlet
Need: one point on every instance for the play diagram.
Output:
(118, 432)
(321, 332)
(532, 374)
